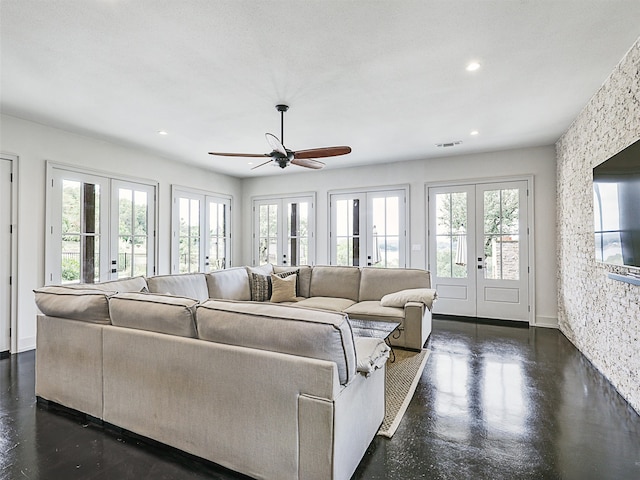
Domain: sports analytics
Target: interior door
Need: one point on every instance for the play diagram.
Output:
(5, 254)
(478, 249)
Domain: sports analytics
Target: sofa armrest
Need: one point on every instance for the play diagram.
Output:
(417, 325)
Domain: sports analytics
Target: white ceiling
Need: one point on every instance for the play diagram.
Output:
(387, 78)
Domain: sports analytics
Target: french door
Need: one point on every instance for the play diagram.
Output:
(479, 249)
(368, 228)
(201, 232)
(284, 230)
(5, 253)
(99, 228)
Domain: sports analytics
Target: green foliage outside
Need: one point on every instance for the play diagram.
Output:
(501, 208)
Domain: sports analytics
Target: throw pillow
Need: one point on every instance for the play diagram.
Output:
(401, 298)
(283, 289)
(295, 272)
(260, 286)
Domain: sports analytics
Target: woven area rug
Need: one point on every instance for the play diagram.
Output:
(401, 382)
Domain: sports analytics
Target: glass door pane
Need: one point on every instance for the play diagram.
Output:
(386, 230)
(347, 239)
(451, 234)
(189, 235)
(80, 228)
(299, 227)
(501, 234)
(218, 239)
(268, 228)
(134, 218)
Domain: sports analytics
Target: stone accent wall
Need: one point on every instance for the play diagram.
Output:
(601, 317)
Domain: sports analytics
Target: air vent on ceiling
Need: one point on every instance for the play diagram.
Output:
(449, 144)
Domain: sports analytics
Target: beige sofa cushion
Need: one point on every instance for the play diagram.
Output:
(157, 313)
(191, 285)
(229, 284)
(326, 303)
(74, 303)
(336, 282)
(372, 310)
(281, 328)
(377, 282)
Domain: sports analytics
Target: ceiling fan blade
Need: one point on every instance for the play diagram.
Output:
(308, 162)
(257, 166)
(321, 152)
(275, 143)
(220, 154)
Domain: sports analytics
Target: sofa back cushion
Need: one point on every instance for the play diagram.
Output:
(191, 285)
(281, 328)
(375, 283)
(230, 284)
(132, 284)
(334, 281)
(157, 313)
(74, 303)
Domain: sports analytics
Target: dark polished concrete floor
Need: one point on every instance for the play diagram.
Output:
(494, 402)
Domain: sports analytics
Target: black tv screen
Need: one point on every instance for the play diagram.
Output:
(616, 201)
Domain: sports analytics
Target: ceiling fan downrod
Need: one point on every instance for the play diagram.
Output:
(282, 108)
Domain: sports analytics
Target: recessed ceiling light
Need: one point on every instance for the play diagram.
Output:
(162, 132)
(473, 66)
(474, 132)
(249, 163)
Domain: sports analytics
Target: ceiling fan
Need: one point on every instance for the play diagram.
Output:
(282, 156)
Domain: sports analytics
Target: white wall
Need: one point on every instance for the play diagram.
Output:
(539, 162)
(34, 144)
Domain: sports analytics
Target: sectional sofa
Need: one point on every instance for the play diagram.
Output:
(272, 390)
(386, 294)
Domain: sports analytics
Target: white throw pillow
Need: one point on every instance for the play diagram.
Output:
(401, 298)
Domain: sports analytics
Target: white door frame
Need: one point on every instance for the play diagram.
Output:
(54, 170)
(281, 201)
(365, 195)
(13, 255)
(529, 179)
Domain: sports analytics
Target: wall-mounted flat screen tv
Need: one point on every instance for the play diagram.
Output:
(616, 201)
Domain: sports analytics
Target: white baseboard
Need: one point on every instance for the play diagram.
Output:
(25, 344)
(546, 322)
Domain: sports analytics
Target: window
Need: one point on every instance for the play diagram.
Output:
(201, 231)
(368, 228)
(99, 228)
(284, 230)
